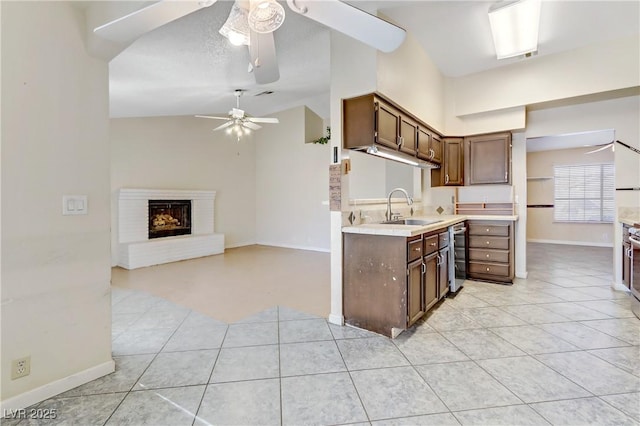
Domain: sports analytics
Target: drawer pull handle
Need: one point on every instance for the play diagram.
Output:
(433, 244)
(488, 242)
(417, 249)
(487, 229)
(487, 269)
(487, 256)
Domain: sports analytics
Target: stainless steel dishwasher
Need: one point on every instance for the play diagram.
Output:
(457, 257)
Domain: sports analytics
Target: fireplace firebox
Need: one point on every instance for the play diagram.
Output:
(168, 218)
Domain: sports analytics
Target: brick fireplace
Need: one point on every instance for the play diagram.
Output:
(159, 226)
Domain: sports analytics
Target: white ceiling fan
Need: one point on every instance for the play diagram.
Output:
(238, 121)
(335, 14)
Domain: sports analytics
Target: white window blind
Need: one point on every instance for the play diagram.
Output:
(584, 193)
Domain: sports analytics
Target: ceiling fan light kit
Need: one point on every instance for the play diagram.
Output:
(265, 16)
(514, 27)
(236, 27)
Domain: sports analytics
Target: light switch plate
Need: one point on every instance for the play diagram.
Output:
(74, 204)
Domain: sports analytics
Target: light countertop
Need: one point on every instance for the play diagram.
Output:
(411, 230)
(631, 221)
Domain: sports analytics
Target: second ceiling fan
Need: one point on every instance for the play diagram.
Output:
(238, 121)
(262, 18)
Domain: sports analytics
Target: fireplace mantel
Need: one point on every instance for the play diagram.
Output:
(136, 250)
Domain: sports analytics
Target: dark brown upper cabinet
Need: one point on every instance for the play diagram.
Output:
(429, 145)
(453, 165)
(408, 135)
(488, 159)
(387, 123)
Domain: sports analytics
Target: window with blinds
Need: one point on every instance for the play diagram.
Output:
(584, 193)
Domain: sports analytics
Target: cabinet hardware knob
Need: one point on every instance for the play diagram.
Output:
(487, 229)
(417, 249)
(433, 244)
(487, 269)
(487, 256)
(488, 242)
(446, 179)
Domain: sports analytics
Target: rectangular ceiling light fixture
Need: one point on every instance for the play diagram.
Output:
(514, 26)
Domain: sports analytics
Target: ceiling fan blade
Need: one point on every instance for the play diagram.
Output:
(251, 125)
(224, 126)
(349, 20)
(262, 51)
(212, 117)
(129, 27)
(263, 120)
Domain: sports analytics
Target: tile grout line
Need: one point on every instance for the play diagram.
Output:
(353, 383)
(206, 386)
(279, 365)
(147, 367)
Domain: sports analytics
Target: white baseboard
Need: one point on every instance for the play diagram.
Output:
(571, 243)
(336, 319)
(57, 387)
(522, 275)
(619, 287)
(296, 247)
(241, 244)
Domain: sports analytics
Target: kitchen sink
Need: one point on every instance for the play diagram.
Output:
(420, 222)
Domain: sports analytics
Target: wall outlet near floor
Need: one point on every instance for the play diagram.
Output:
(20, 367)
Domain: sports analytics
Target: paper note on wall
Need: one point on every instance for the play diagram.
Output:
(335, 189)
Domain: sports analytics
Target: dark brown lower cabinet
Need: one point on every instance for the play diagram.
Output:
(415, 290)
(443, 272)
(431, 280)
(390, 282)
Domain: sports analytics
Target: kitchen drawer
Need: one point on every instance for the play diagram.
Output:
(477, 241)
(484, 229)
(414, 250)
(443, 239)
(484, 255)
(485, 268)
(430, 244)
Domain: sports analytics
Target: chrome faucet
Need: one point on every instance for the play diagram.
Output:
(389, 214)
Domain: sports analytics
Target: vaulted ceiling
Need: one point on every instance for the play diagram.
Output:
(186, 67)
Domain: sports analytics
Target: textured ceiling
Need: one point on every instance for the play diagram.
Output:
(186, 67)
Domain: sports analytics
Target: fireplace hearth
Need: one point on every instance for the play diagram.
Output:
(169, 218)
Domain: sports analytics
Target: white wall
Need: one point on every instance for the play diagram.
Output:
(598, 68)
(184, 153)
(56, 300)
(292, 185)
(409, 77)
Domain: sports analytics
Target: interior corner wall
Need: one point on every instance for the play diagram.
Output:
(182, 152)
(56, 297)
(291, 185)
(410, 78)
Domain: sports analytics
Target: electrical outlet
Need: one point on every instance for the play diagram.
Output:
(20, 367)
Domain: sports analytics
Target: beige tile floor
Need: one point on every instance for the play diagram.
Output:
(558, 348)
(239, 283)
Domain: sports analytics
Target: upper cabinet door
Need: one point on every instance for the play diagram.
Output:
(452, 169)
(424, 143)
(387, 125)
(488, 159)
(408, 135)
(436, 149)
